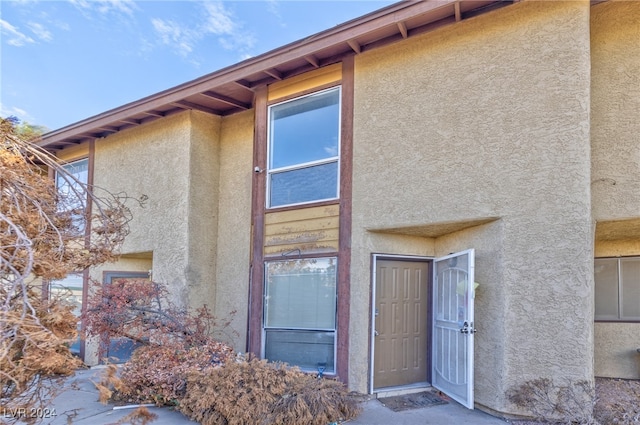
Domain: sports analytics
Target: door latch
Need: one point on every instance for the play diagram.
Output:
(467, 328)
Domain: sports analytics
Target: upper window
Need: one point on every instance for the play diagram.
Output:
(304, 147)
(70, 190)
(617, 282)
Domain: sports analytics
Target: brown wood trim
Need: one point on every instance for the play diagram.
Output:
(344, 242)
(256, 283)
(280, 257)
(87, 242)
(303, 206)
(304, 92)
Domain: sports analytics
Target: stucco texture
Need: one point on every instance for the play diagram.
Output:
(234, 225)
(172, 165)
(615, 144)
(486, 120)
(615, 107)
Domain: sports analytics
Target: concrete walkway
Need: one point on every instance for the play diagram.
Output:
(79, 403)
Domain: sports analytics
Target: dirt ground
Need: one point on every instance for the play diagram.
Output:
(617, 403)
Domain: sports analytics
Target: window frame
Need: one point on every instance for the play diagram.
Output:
(303, 165)
(80, 219)
(295, 329)
(620, 293)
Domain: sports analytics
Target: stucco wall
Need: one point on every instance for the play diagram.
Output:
(615, 144)
(615, 107)
(170, 165)
(234, 231)
(488, 118)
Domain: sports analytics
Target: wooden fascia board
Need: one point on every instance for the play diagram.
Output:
(269, 61)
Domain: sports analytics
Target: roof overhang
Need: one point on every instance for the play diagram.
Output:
(231, 89)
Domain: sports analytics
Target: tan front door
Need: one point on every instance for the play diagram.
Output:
(401, 338)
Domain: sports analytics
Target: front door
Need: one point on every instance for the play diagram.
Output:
(453, 327)
(401, 323)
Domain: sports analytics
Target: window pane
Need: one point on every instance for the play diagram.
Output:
(305, 130)
(630, 277)
(301, 294)
(70, 289)
(304, 185)
(306, 349)
(606, 282)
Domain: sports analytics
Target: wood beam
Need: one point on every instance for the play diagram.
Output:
(274, 73)
(355, 46)
(403, 29)
(312, 60)
(154, 113)
(226, 99)
(190, 105)
(131, 121)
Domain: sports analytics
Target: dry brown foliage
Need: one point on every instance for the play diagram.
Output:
(550, 402)
(158, 373)
(43, 235)
(174, 341)
(140, 416)
(258, 392)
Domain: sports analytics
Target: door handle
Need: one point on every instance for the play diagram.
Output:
(467, 328)
(375, 332)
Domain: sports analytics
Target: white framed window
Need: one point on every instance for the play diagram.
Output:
(71, 194)
(299, 326)
(304, 149)
(617, 289)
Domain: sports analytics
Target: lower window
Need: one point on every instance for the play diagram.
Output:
(299, 325)
(617, 283)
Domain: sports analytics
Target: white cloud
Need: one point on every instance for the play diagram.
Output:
(216, 20)
(15, 37)
(105, 7)
(6, 112)
(40, 31)
(174, 35)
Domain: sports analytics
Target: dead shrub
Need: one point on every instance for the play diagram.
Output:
(158, 373)
(550, 402)
(259, 392)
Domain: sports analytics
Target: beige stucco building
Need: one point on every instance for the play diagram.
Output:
(318, 191)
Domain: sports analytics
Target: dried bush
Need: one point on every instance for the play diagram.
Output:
(174, 341)
(258, 392)
(554, 403)
(141, 310)
(44, 235)
(158, 373)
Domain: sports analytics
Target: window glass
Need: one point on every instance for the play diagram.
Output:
(313, 351)
(617, 288)
(70, 289)
(70, 191)
(630, 288)
(305, 184)
(304, 147)
(606, 282)
(305, 130)
(300, 312)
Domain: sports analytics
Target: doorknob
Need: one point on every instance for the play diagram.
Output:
(375, 332)
(467, 328)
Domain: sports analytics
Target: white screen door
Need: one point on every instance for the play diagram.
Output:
(453, 327)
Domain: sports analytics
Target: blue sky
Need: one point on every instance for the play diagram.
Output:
(63, 61)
